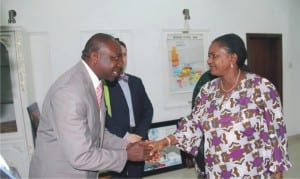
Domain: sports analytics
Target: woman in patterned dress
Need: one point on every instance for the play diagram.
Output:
(240, 114)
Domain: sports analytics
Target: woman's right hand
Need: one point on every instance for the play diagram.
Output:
(154, 154)
(157, 146)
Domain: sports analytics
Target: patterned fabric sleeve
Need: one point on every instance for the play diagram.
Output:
(205, 77)
(189, 130)
(274, 134)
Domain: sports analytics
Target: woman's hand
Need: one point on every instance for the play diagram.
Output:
(157, 146)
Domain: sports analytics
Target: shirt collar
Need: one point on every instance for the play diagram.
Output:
(123, 77)
(92, 75)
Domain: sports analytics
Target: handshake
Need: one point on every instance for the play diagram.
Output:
(144, 151)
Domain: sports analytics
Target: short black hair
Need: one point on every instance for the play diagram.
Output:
(95, 43)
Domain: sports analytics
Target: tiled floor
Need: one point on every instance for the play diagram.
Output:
(294, 172)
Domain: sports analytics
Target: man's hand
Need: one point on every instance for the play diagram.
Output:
(137, 151)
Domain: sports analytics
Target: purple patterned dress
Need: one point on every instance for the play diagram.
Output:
(245, 135)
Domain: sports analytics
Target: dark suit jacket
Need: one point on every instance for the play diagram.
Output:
(142, 108)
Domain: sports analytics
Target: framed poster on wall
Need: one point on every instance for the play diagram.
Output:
(186, 62)
(171, 158)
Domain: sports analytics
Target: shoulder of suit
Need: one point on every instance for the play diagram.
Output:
(130, 76)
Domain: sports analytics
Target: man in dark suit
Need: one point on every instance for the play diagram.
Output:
(131, 114)
(71, 138)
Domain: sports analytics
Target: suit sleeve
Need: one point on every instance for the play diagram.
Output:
(77, 138)
(111, 141)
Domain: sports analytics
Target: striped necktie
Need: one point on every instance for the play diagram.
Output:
(99, 94)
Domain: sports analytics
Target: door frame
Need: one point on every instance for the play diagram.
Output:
(274, 49)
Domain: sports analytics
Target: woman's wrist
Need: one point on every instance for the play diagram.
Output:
(166, 142)
(169, 141)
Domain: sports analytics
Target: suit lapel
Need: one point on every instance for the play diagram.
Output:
(99, 113)
(133, 92)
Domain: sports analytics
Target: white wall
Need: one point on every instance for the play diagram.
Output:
(291, 69)
(57, 31)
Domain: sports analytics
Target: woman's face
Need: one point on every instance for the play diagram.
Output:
(219, 59)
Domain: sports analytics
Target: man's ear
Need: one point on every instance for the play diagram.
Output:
(94, 57)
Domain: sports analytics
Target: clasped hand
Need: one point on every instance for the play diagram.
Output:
(144, 151)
